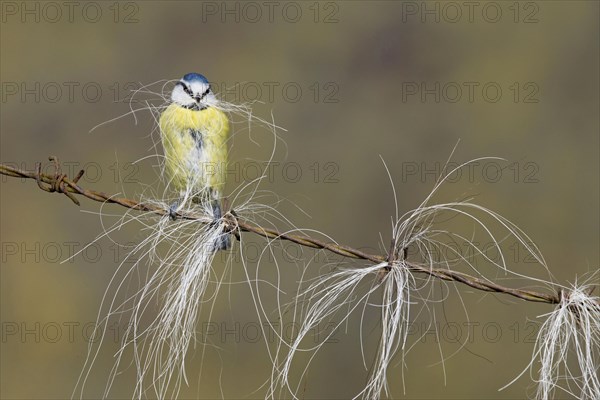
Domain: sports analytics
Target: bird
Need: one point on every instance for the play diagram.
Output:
(194, 135)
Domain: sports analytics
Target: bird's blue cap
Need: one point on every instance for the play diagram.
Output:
(194, 77)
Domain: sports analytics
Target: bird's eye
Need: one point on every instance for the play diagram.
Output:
(186, 89)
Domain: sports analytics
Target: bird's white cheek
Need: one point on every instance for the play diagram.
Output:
(210, 100)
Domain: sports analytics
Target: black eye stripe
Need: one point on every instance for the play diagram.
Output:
(205, 92)
(187, 90)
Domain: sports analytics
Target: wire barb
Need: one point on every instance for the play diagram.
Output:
(58, 182)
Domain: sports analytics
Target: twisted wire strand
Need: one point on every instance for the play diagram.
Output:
(60, 183)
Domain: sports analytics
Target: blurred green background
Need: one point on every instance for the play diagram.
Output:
(350, 81)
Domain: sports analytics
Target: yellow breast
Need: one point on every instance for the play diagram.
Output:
(195, 146)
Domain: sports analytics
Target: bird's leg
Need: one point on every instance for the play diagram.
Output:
(223, 242)
(216, 209)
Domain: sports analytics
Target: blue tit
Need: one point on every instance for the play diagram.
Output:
(194, 135)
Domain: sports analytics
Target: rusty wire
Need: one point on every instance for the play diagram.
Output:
(60, 183)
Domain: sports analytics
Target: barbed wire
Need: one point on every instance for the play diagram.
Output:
(61, 183)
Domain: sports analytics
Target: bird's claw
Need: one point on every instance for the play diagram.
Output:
(173, 211)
